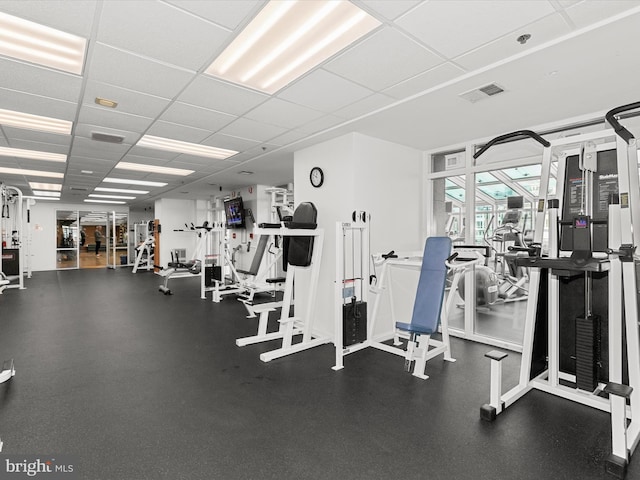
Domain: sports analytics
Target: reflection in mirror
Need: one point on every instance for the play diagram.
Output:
(93, 237)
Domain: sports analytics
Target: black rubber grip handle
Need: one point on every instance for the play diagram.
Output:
(507, 136)
(452, 257)
(391, 254)
(622, 132)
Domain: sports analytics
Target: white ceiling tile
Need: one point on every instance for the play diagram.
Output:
(152, 153)
(55, 13)
(178, 132)
(38, 146)
(37, 105)
(541, 31)
(115, 67)
(189, 115)
(41, 81)
(586, 13)
(364, 106)
(179, 38)
(324, 91)
(229, 142)
(208, 92)
(147, 160)
(457, 26)
(390, 9)
(288, 137)
(252, 130)
(320, 124)
(229, 13)
(282, 113)
(13, 133)
(129, 101)
(110, 118)
(403, 58)
(424, 81)
(99, 150)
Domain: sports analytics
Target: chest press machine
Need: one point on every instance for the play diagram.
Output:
(581, 328)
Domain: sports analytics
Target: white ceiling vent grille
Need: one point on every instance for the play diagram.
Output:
(483, 92)
(79, 189)
(105, 137)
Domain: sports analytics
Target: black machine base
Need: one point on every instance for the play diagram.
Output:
(616, 466)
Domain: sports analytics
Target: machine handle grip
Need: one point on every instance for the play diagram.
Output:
(452, 257)
(391, 254)
(507, 136)
(622, 132)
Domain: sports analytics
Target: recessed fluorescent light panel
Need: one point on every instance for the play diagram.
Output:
(30, 173)
(105, 201)
(139, 167)
(116, 197)
(36, 43)
(121, 190)
(287, 39)
(32, 154)
(47, 193)
(171, 145)
(134, 182)
(56, 187)
(40, 198)
(34, 122)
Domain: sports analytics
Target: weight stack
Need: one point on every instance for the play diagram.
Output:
(354, 323)
(587, 352)
(212, 273)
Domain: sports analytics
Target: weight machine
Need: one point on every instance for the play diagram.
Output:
(145, 248)
(12, 249)
(587, 282)
(303, 251)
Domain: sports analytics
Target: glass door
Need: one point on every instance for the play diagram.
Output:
(66, 239)
(93, 237)
(118, 243)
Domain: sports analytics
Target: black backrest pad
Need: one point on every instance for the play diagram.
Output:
(300, 249)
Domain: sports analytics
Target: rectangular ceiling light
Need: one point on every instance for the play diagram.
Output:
(287, 39)
(32, 154)
(121, 190)
(104, 201)
(170, 145)
(39, 44)
(115, 197)
(134, 182)
(139, 167)
(35, 122)
(30, 173)
(46, 193)
(40, 198)
(56, 187)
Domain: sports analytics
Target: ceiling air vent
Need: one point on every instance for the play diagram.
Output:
(481, 93)
(105, 137)
(79, 189)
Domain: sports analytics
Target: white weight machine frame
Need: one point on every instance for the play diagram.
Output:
(296, 325)
(5, 280)
(622, 302)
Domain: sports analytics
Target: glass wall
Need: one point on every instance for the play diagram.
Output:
(66, 239)
(91, 239)
(492, 209)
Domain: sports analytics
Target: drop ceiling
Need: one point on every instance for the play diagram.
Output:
(401, 83)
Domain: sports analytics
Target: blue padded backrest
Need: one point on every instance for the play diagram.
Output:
(430, 293)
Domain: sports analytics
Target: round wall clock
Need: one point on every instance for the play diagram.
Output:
(316, 177)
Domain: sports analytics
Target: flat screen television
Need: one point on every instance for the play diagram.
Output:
(515, 202)
(234, 210)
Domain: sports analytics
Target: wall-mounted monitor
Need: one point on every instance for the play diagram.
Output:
(514, 203)
(234, 211)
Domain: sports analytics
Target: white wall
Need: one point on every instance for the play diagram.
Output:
(173, 214)
(361, 173)
(43, 230)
